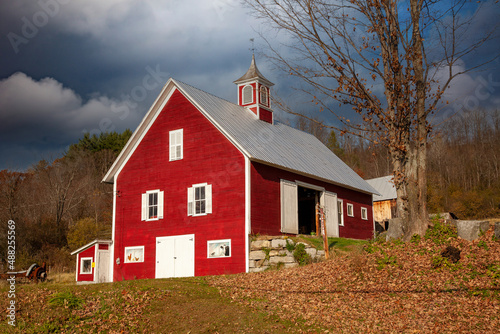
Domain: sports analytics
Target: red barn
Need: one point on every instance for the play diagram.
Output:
(201, 174)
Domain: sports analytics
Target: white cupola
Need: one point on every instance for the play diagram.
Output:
(254, 93)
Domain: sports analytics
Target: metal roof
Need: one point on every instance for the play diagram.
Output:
(385, 186)
(276, 144)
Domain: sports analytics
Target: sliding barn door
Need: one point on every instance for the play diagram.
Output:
(289, 208)
(329, 202)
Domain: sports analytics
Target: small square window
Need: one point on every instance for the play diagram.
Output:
(86, 265)
(350, 210)
(219, 248)
(134, 254)
(364, 213)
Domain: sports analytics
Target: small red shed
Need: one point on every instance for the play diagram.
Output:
(200, 175)
(93, 262)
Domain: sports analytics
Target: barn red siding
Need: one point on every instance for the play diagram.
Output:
(254, 94)
(266, 115)
(207, 157)
(266, 207)
(90, 252)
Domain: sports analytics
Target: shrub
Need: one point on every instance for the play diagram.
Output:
(301, 255)
(415, 239)
(290, 246)
(386, 261)
(440, 232)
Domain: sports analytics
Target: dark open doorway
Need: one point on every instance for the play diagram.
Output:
(307, 199)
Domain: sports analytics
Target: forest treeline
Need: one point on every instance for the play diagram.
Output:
(60, 206)
(463, 162)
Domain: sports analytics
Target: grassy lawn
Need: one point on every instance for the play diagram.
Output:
(365, 287)
(186, 305)
(341, 244)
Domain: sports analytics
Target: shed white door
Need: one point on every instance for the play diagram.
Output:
(289, 208)
(102, 266)
(331, 214)
(175, 256)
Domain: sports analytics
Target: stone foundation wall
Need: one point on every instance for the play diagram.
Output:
(269, 252)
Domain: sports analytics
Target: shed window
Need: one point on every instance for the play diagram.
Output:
(175, 143)
(350, 210)
(86, 265)
(152, 205)
(247, 94)
(200, 199)
(364, 213)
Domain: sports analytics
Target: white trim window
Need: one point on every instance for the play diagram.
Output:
(200, 199)
(340, 207)
(218, 248)
(134, 254)
(247, 94)
(152, 205)
(86, 265)
(176, 144)
(264, 96)
(364, 213)
(350, 210)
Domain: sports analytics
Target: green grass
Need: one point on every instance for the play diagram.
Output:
(140, 306)
(342, 244)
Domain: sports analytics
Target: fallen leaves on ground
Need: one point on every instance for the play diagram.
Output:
(393, 288)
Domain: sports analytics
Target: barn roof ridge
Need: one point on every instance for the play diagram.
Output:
(278, 144)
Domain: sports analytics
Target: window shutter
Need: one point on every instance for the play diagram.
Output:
(144, 207)
(160, 205)
(208, 196)
(190, 201)
(179, 135)
(172, 145)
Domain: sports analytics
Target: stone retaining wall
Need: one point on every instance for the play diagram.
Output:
(269, 252)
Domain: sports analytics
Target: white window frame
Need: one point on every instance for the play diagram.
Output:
(145, 205)
(350, 210)
(264, 92)
(81, 265)
(243, 94)
(364, 213)
(175, 141)
(192, 200)
(221, 242)
(340, 208)
(134, 248)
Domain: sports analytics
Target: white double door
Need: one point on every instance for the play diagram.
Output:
(175, 256)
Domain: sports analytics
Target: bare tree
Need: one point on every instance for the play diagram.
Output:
(385, 59)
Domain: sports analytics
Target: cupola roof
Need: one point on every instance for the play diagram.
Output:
(252, 74)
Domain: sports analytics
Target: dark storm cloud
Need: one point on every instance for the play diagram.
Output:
(70, 66)
(67, 65)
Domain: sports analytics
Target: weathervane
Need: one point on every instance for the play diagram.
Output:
(253, 48)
